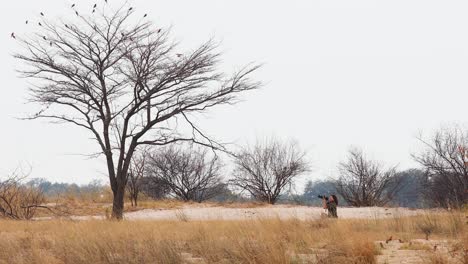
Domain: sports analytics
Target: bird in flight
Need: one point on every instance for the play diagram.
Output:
(13, 35)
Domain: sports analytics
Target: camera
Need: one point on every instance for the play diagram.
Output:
(323, 197)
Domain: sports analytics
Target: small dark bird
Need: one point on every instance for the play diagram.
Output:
(42, 14)
(66, 26)
(105, 1)
(130, 9)
(27, 22)
(123, 35)
(159, 30)
(39, 24)
(76, 12)
(145, 15)
(94, 5)
(388, 240)
(44, 37)
(73, 5)
(179, 55)
(94, 10)
(51, 43)
(13, 35)
(435, 247)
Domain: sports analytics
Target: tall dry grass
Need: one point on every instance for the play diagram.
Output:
(254, 241)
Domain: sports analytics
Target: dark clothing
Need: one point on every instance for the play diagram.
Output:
(331, 207)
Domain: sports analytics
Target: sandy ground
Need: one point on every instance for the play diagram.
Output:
(277, 211)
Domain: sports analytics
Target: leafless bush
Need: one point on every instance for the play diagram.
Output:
(364, 182)
(445, 159)
(268, 169)
(135, 175)
(19, 201)
(188, 172)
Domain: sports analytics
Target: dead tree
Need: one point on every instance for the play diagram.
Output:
(126, 83)
(445, 159)
(136, 172)
(268, 169)
(365, 182)
(188, 172)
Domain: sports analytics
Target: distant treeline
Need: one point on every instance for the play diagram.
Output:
(410, 195)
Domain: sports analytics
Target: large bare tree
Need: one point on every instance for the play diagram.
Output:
(119, 76)
(445, 159)
(268, 169)
(189, 173)
(364, 182)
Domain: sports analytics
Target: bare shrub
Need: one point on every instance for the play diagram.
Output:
(445, 159)
(188, 172)
(365, 182)
(268, 169)
(136, 172)
(427, 224)
(19, 201)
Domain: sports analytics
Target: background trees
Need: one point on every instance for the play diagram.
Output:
(125, 82)
(135, 175)
(267, 169)
(445, 159)
(189, 173)
(364, 182)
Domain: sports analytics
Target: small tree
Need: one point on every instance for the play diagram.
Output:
(188, 172)
(445, 159)
(135, 175)
(268, 169)
(364, 182)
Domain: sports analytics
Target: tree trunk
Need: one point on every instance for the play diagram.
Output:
(118, 203)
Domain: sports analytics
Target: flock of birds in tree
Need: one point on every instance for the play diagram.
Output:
(76, 12)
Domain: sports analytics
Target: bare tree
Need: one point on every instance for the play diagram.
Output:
(268, 169)
(122, 79)
(188, 172)
(365, 182)
(445, 159)
(135, 175)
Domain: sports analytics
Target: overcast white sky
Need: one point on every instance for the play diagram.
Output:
(337, 73)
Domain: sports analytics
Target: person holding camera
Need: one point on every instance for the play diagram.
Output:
(330, 203)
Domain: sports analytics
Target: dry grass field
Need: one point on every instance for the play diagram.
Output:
(391, 240)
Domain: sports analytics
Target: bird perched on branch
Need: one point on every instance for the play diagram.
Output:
(13, 35)
(76, 12)
(44, 37)
(39, 24)
(27, 22)
(145, 15)
(73, 6)
(130, 9)
(179, 55)
(42, 14)
(94, 5)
